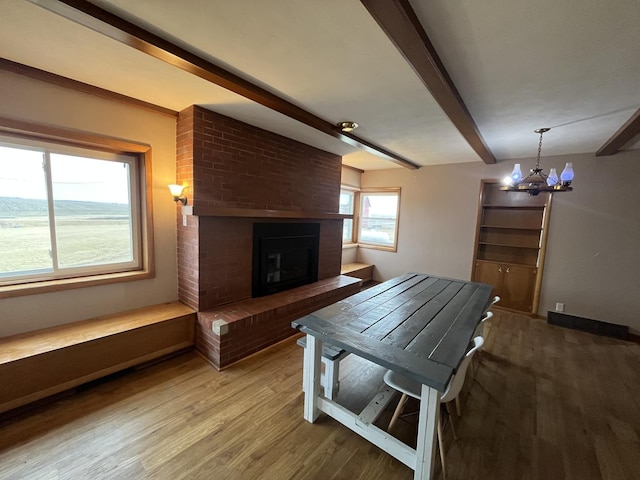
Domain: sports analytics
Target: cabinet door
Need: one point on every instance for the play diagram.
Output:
(518, 286)
(489, 273)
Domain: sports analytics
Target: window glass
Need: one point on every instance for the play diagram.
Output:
(66, 212)
(378, 218)
(24, 219)
(347, 199)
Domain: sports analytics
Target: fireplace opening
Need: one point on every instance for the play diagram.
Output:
(285, 255)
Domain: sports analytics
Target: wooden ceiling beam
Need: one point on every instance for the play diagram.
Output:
(625, 134)
(398, 20)
(106, 23)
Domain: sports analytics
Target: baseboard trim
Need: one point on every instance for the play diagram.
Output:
(588, 325)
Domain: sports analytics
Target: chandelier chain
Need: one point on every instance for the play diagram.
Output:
(539, 151)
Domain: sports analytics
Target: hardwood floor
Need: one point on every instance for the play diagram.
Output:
(544, 403)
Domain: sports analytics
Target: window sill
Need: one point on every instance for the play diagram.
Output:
(9, 291)
(346, 246)
(377, 247)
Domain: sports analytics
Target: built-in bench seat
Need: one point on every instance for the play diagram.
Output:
(233, 331)
(37, 364)
(363, 271)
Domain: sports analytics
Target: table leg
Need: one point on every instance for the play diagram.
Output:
(331, 378)
(427, 433)
(311, 380)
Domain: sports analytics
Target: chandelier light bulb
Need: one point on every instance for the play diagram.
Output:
(552, 179)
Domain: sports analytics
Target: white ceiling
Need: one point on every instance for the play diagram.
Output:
(569, 64)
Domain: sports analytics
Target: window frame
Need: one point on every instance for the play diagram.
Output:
(22, 133)
(354, 214)
(373, 245)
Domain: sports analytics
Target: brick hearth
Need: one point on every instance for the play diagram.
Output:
(248, 326)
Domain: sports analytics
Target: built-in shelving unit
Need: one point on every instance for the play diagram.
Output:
(510, 243)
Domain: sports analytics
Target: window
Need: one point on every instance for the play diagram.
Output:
(70, 212)
(378, 217)
(347, 203)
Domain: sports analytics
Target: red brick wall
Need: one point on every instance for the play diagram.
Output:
(236, 165)
(226, 163)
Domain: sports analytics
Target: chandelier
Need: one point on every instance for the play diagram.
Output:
(537, 181)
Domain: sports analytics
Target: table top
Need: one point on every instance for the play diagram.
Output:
(416, 324)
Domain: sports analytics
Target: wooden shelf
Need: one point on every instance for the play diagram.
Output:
(505, 227)
(507, 245)
(528, 265)
(510, 255)
(517, 207)
(257, 213)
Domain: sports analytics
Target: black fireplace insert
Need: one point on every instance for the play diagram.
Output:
(285, 255)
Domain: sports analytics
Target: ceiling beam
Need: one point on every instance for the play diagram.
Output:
(106, 23)
(625, 134)
(398, 20)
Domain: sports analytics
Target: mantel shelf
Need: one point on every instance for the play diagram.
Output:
(257, 213)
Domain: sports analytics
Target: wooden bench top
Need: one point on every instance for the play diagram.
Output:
(352, 267)
(41, 341)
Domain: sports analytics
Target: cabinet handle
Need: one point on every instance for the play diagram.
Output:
(508, 270)
(499, 269)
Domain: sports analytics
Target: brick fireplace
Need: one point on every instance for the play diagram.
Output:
(239, 175)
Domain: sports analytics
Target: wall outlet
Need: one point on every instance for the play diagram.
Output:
(559, 307)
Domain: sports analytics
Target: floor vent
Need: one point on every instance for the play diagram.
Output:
(587, 325)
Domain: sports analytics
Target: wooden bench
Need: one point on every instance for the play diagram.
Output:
(362, 271)
(331, 356)
(37, 364)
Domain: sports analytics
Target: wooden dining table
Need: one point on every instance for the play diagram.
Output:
(417, 324)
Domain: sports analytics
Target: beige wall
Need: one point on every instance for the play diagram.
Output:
(592, 264)
(26, 99)
(351, 177)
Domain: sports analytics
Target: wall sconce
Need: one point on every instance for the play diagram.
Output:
(176, 192)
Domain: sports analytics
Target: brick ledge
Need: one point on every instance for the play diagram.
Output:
(248, 326)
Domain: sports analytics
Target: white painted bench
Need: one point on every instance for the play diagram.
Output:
(330, 378)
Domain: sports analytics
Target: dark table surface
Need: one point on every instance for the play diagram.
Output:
(416, 324)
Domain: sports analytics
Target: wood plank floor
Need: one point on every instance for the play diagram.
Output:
(544, 403)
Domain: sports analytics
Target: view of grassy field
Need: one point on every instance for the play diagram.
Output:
(88, 233)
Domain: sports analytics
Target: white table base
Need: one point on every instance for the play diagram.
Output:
(421, 459)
